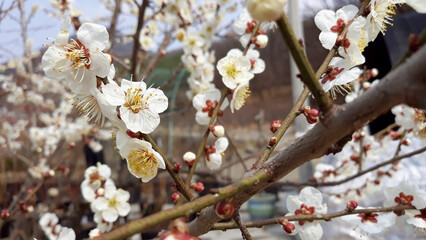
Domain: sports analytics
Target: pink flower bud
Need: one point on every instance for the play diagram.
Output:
(273, 141)
(351, 206)
(224, 209)
(177, 167)
(198, 187)
(275, 125)
(288, 227)
(175, 197)
(189, 158)
(406, 142)
(218, 130)
(4, 214)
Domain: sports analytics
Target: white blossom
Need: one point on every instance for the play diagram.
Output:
(142, 161)
(309, 202)
(139, 106)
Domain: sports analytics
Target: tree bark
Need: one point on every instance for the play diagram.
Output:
(406, 84)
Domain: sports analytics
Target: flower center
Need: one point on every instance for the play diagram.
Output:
(95, 176)
(304, 210)
(404, 199)
(340, 25)
(231, 70)
(331, 74)
(240, 97)
(112, 202)
(78, 54)
(368, 217)
(209, 150)
(142, 162)
(134, 100)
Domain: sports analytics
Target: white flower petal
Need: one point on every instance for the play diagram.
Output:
(110, 214)
(93, 36)
(100, 64)
(156, 100)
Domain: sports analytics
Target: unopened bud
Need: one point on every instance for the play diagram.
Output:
(4, 214)
(218, 130)
(374, 72)
(266, 10)
(310, 114)
(53, 192)
(51, 173)
(366, 85)
(64, 170)
(406, 142)
(198, 187)
(177, 167)
(224, 209)
(100, 192)
(287, 226)
(273, 141)
(175, 197)
(351, 206)
(275, 125)
(71, 145)
(95, 233)
(28, 209)
(260, 41)
(189, 158)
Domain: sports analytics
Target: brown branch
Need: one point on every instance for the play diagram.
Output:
(298, 52)
(113, 24)
(326, 217)
(378, 100)
(305, 68)
(244, 232)
(342, 121)
(136, 43)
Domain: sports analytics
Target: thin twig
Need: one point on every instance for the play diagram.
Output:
(244, 232)
(326, 217)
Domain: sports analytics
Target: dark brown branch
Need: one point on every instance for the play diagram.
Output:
(113, 24)
(136, 43)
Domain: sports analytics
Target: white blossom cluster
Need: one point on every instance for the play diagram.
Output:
(362, 29)
(131, 107)
(106, 201)
(49, 223)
